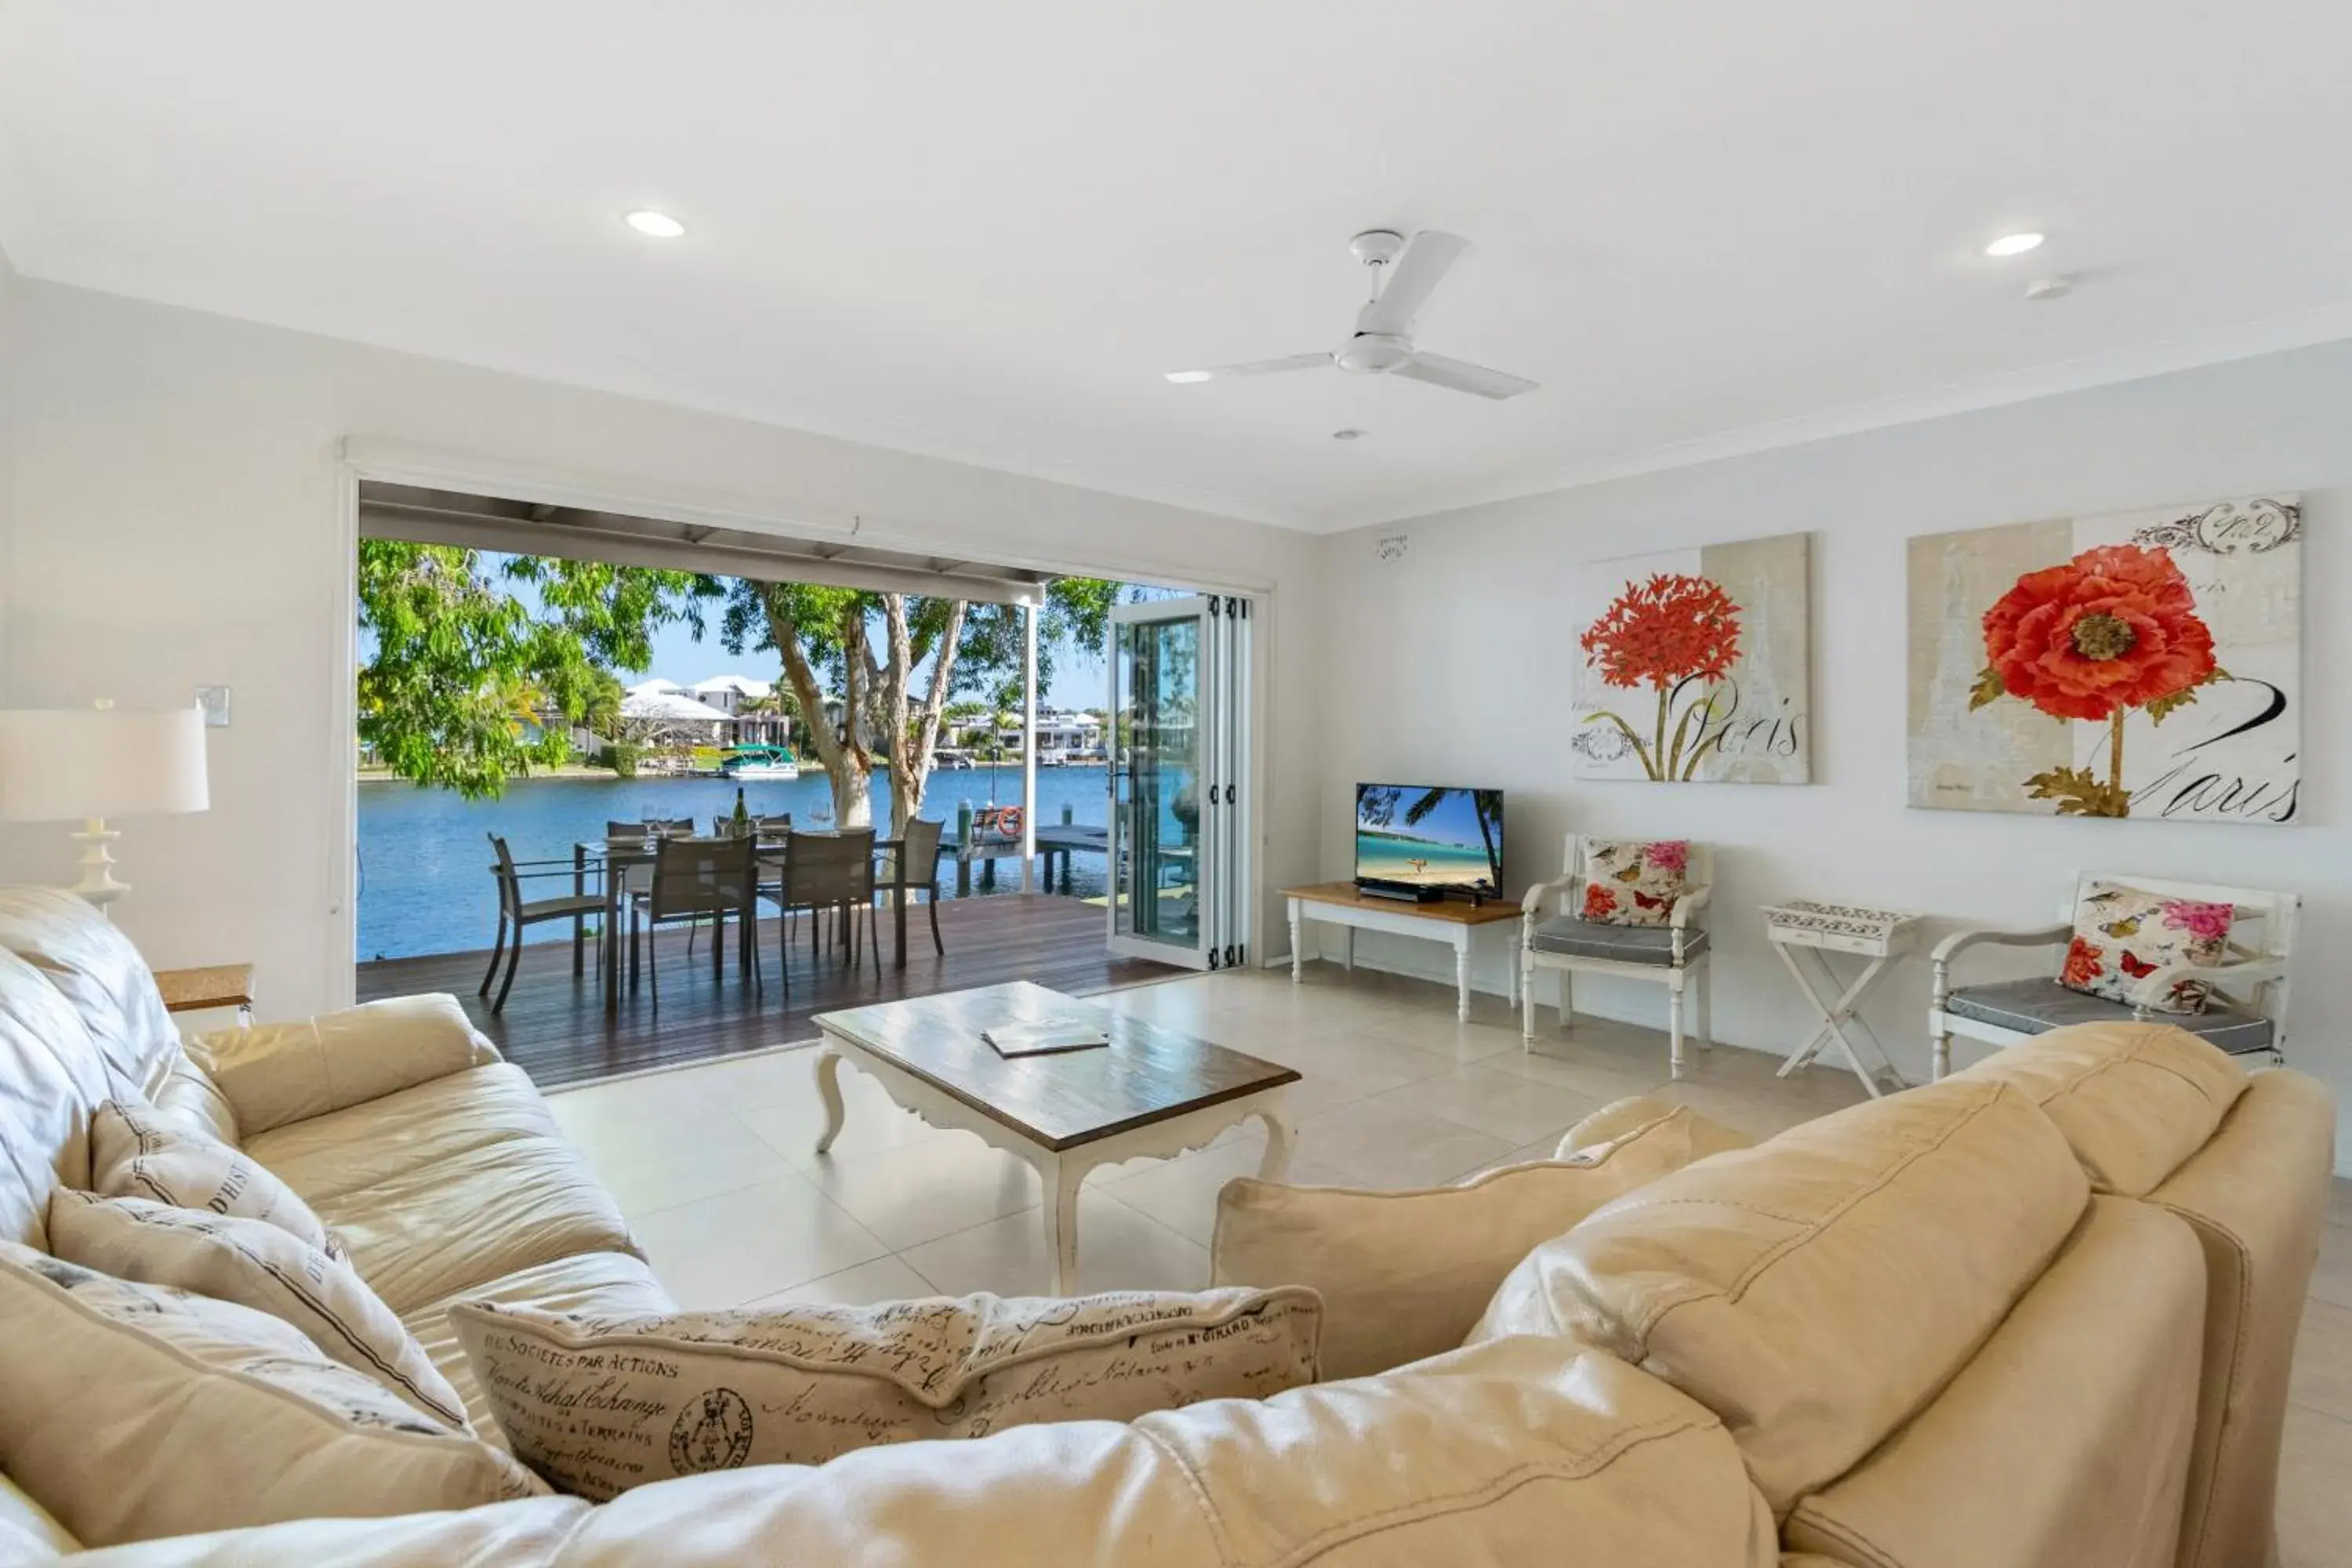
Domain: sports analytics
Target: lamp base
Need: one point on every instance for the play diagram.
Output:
(98, 885)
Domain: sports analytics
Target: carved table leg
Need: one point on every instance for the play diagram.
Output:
(828, 1088)
(1062, 1220)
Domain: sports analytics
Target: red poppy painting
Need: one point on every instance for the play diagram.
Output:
(1693, 665)
(2144, 664)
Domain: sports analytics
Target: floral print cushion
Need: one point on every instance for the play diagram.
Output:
(2143, 949)
(1630, 883)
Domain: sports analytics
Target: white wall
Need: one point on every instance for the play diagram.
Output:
(176, 482)
(1456, 669)
(10, 359)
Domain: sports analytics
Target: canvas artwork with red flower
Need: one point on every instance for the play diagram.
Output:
(1693, 664)
(2146, 664)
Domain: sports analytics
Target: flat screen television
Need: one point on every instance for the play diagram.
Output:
(1429, 840)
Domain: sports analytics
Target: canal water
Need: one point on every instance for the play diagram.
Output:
(424, 853)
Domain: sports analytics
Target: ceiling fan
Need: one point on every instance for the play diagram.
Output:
(1405, 274)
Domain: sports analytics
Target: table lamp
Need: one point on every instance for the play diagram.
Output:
(86, 764)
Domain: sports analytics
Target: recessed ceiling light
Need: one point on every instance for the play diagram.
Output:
(661, 225)
(1190, 375)
(1348, 435)
(2013, 245)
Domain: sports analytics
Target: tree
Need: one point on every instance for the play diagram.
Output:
(896, 661)
(466, 686)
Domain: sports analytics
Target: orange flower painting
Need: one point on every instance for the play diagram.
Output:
(1678, 683)
(2140, 665)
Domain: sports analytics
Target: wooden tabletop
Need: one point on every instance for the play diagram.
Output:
(1146, 1074)
(1453, 911)
(194, 990)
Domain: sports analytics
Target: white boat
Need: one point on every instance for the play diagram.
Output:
(746, 762)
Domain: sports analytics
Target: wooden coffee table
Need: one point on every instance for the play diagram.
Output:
(1151, 1092)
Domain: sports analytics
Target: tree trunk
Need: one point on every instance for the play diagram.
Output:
(847, 764)
(912, 734)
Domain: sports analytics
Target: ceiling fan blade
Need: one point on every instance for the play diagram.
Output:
(1253, 367)
(1408, 281)
(1459, 375)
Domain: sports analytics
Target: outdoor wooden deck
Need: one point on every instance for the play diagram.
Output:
(555, 1026)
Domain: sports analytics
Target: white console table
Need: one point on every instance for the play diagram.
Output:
(1456, 923)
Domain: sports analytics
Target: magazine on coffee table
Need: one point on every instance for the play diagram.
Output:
(1040, 1039)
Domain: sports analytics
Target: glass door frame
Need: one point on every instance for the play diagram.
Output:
(1222, 887)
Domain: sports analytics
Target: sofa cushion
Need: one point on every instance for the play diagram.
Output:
(254, 1264)
(1404, 1275)
(2134, 1100)
(1620, 943)
(191, 1101)
(131, 1411)
(1815, 1291)
(477, 1215)
(2072, 1422)
(2255, 1196)
(685, 1392)
(1529, 1451)
(397, 1134)
(604, 1284)
(2037, 1006)
(96, 967)
(28, 1533)
(280, 1073)
(51, 1079)
(135, 1154)
(1703, 1135)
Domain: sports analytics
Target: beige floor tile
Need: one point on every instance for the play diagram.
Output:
(883, 1279)
(1498, 1104)
(1377, 1145)
(924, 1191)
(1829, 1084)
(1118, 1249)
(2339, 1201)
(1443, 1035)
(1597, 1064)
(873, 1122)
(2322, 1378)
(603, 1113)
(2331, 1281)
(1181, 1193)
(2314, 1505)
(735, 1247)
(661, 1164)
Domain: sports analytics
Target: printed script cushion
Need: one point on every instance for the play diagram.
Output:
(135, 1154)
(1627, 883)
(1405, 1274)
(133, 1411)
(254, 1264)
(2144, 949)
(599, 1405)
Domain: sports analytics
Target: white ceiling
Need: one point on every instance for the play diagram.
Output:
(983, 231)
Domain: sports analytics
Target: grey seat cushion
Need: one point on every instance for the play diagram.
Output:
(2033, 1006)
(1623, 944)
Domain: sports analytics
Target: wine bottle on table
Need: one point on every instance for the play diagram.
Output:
(742, 817)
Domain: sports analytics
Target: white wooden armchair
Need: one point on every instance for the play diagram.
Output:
(2247, 1014)
(1674, 955)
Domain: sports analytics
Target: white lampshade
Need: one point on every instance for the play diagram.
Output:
(64, 764)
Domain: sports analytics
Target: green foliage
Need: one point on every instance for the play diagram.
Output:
(467, 687)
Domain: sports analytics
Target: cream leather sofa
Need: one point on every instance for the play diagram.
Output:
(2037, 1316)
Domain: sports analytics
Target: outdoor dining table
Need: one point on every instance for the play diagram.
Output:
(618, 856)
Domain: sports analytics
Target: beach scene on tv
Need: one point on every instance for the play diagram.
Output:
(1430, 838)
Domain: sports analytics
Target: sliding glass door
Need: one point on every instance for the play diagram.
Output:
(1178, 707)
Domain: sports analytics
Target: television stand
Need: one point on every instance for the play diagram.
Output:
(1456, 924)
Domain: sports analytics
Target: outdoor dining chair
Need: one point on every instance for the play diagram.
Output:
(517, 913)
(695, 880)
(914, 868)
(825, 872)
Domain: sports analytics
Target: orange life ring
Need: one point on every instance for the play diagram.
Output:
(1003, 819)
